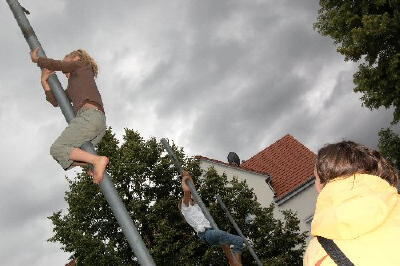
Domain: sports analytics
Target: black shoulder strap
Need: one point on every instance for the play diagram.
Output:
(334, 252)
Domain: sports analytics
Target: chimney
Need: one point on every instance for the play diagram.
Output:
(233, 159)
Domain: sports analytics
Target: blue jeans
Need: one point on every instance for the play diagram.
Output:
(219, 237)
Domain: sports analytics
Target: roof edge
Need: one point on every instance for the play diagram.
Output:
(274, 143)
(199, 157)
(291, 194)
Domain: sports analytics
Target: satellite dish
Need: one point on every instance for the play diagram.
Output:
(233, 159)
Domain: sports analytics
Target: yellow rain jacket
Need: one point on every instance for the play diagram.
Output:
(361, 214)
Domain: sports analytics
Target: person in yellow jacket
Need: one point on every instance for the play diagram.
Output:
(358, 206)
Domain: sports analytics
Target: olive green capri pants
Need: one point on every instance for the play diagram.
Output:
(88, 125)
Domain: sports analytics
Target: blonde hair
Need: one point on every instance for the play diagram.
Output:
(87, 59)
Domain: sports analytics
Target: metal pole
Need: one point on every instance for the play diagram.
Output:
(196, 195)
(107, 187)
(227, 213)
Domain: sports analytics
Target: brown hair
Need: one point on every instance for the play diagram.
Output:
(87, 59)
(346, 158)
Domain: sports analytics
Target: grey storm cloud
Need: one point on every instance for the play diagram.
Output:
(215, 76)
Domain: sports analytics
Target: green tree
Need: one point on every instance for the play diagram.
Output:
(149, 186)
(389, 145)
(367, 32)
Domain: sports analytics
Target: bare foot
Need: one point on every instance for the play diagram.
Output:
(99, 168)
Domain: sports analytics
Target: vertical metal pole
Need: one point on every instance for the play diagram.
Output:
(107, 187)
(228, 214)
(195, 195)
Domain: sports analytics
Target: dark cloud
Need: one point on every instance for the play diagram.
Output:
(215, 76)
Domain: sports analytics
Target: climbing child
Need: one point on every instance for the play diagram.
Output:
(195, 218)
(89, 123)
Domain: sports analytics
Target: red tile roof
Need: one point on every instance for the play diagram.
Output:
(287, 161)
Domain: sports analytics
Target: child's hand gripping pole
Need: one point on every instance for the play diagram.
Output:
(185, 178)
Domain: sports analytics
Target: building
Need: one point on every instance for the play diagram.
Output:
(282, 174)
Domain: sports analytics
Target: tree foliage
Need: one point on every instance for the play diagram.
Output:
(367, 32)
(149, 186)
(389, 146)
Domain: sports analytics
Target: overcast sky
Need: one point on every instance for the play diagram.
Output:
(215, 76)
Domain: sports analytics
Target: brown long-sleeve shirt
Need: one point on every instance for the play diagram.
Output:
(81, 87)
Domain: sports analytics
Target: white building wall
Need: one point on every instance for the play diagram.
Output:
(256, 181)
(303, 203)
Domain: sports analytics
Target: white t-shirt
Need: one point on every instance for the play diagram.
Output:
(195, 217)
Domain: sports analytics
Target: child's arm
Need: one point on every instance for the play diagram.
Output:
(58, 65)
(55, 65)
(187, 195)
(45, 84)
